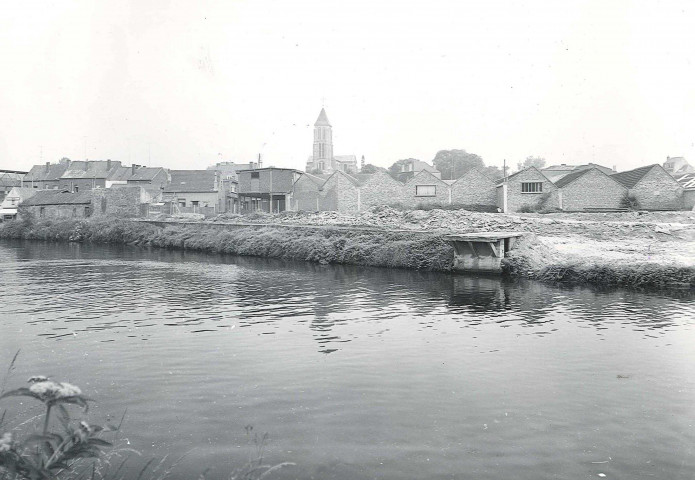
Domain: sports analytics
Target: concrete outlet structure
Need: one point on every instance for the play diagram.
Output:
(482, 252)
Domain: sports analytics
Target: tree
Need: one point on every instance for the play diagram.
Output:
(454, 163)
(395, 169)
(538, 162)
(369, 168)
(495, 173)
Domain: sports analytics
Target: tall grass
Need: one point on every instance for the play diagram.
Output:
(321, 245)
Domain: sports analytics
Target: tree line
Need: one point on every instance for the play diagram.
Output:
(455, 163)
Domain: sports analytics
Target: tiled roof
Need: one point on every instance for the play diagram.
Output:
(631, 177)
(143, 174)
(91, 169)
(571, 177)
(7, 180)
(39, 173)
(120, 174)
(54, 197)
(501, 180)
(314, 178)
(192, 181)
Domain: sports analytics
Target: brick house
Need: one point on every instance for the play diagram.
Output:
(90, 174)
(340, 193)
(587, 189)
(306, 193)
(425, 188)
(58, 204)
(653, 187)
(45, 177)
(149, 178)
(195, 191)
(379, 188)
(525, 187)
(473, 188)
(266, 189)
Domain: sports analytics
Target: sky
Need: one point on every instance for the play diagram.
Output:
(184, 84)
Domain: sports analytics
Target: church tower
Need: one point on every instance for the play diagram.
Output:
(323, 143)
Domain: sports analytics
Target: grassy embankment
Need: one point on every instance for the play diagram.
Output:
(357, 247)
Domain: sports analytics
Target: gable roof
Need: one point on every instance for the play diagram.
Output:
(322, 121)
(630, 178)
(349, 178)
(43, 173)
(502, 180)
(571, 177)
(312, 178)
(55, 197)
(120, 174)
(145, 174)
(425, 173)
(192, 181)
(468, 172)
(91, 169)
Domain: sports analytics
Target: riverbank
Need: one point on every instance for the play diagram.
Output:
(634, 250)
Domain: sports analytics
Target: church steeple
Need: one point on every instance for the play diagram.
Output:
(323, 142)
(322, 121)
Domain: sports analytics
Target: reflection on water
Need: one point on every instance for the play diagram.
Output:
(360, 372)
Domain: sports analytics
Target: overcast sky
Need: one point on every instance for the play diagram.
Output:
(175, 83)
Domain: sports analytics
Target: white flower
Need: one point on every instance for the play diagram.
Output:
(6, 442)
(37, 378)
(50, 390)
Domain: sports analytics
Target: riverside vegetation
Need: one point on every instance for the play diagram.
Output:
(614, 251)
(76, 450)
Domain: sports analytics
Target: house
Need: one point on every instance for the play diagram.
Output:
(123, 200)
(473, 188)
(340, 193)
(266, 189)
(58, 204)
(9, 179)
(195, 191)
(306, 193)
(556, 172)
(90, 174)
(687, 181)
(8, 207)
(588, 189)
(229, 169)
(45, 177)
(527, 187)
(678, 166)
(653, 187)
(425, 188)
(379, 188)
(150, 178)
(412, 167)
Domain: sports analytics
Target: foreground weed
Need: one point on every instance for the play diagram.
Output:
(49, 454)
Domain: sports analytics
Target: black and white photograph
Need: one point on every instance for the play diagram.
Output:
(331, 240)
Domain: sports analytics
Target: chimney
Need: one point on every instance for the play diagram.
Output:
(260, 161)
(48, 166)
(108, 164)
(133, 167)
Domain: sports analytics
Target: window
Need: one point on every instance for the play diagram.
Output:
(77, 189)
(182, 202)
(425, 190)
(532, 187)
(42, 211)
(194, 203)
(255, 175)
(87, 211)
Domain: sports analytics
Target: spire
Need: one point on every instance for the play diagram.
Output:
(323, 119)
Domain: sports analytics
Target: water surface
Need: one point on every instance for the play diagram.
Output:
(355, 372)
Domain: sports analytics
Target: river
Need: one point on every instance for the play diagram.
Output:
(355, 373)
